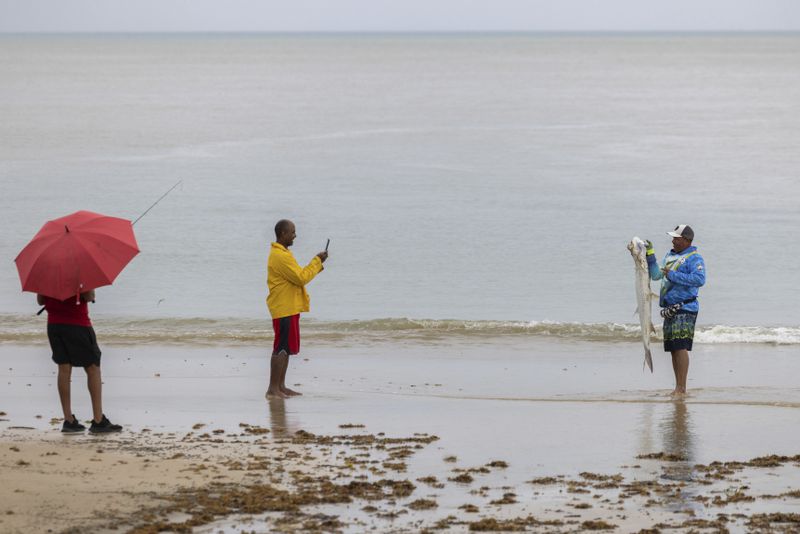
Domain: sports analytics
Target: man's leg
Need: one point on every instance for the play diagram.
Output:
(680, 364)
(95, 382)
(290, 331)
(277, 372)
(64, 378)
(286, 391)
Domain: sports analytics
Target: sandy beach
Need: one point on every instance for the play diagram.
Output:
(506, 434)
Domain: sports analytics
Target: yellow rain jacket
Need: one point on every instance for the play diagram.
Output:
(286, 281)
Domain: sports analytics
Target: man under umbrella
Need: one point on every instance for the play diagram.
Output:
(63, 264)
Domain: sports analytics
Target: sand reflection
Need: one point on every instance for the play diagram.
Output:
(678, 441)
(676, 432)
(280, 423)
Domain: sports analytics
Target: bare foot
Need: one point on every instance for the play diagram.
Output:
(290, 392)
(276, 394)
(678, 394)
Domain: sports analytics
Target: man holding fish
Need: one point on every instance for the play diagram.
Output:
(682, 273)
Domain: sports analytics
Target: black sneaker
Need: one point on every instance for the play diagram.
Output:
(104, 426)
(72, 426)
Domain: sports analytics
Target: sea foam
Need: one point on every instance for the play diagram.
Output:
(16, 328)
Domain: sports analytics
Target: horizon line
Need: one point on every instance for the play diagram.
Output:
(401, 32)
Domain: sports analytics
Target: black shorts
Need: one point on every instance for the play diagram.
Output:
(73, 344)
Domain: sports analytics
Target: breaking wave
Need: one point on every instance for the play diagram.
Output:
(16, 328)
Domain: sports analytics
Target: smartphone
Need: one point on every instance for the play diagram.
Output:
(326, 244)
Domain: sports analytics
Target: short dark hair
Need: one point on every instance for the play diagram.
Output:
(281, 226)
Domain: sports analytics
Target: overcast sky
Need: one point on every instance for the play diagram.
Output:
(396, 15)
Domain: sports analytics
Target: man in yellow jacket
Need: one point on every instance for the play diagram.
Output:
(287, 298)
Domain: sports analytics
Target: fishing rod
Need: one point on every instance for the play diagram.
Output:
(153, 205)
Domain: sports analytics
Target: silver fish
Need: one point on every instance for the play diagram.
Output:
(644, 295)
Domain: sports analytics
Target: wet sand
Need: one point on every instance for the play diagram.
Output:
(547, 436)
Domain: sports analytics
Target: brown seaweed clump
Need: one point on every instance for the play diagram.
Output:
(717, 526)
(544, 481)
(431, 481)
(663, 456)
(519, 524)
(597, 525)
(208, 504)
(491, 524)
(302, 437)
(601, 478)
(737, 496)
(772, 460)
(423, 504)
(255, 430)
(508, 498)
(769, 522)
(395, 466)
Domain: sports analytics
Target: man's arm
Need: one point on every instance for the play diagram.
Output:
(299, 276)
(653, 268)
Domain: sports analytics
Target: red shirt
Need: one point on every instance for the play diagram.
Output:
(67, 312)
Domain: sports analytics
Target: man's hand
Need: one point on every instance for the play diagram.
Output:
(322, 256)
(665, 272)
(650, 249)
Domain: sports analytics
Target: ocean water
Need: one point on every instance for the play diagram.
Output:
(467, 182)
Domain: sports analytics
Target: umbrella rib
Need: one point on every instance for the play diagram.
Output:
(49, 238)
(77, 267)
(35, 257)
(108, 236)
(88, 251)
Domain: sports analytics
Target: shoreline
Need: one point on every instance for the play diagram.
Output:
(249, 331)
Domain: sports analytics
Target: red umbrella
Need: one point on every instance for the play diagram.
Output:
(75, 254)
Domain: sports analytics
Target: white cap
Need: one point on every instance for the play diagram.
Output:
(682, 230)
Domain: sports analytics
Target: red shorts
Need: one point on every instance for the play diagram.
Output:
(287, 334)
